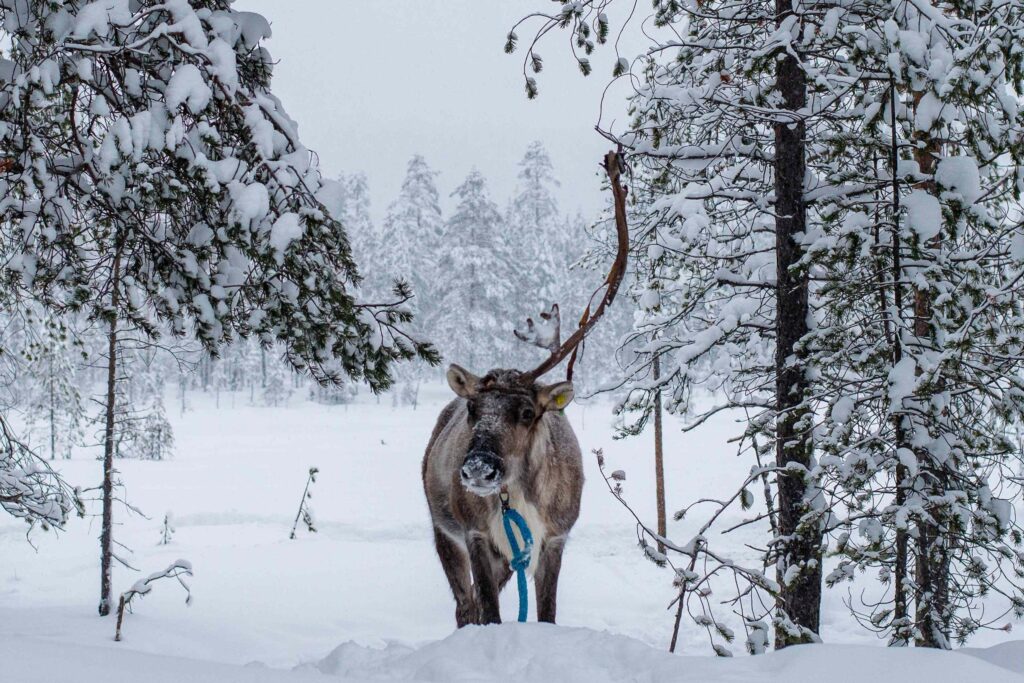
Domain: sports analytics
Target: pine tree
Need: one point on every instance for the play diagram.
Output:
(536, 232)
(724, 165)
(412, 232)
(473, 317)
(167, 184)
(921, 324)
(152, 436)
(348, 198)
(29, 488)
(866, 241)
(409, 242)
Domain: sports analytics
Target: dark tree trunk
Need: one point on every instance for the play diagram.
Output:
(106, 539)
(53, 413)
(932, 567)
(659, 459)
(901, 616)
(800, 546)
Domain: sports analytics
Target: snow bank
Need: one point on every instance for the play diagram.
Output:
(541, 652)
(519, 652)
(35, 660)
(1007, 655)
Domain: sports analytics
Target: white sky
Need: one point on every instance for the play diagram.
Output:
(372, 82)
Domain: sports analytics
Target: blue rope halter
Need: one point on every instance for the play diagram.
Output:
(520, 558)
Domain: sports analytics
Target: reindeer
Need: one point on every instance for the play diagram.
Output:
(504, 438)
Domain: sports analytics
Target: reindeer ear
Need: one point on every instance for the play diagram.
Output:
(555, 396)
(462, 381)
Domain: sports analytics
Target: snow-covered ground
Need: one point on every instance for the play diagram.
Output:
(364, 597)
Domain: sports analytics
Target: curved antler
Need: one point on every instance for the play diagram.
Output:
(540, 335)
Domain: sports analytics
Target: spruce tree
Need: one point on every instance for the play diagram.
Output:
(473, 320)
(412, 232)
(535, 232)
(366, 241)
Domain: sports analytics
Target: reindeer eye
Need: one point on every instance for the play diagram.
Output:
(527, 415)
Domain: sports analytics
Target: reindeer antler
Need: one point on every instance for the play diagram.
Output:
(614, 166)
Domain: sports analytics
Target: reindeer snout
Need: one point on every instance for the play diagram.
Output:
(482, 473)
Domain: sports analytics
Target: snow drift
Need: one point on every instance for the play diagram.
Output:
(543, 652)
(523, 652)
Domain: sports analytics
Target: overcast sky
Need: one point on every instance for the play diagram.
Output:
(372, 82)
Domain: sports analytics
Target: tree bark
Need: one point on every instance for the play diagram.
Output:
(932, 566)
(901, 616)
(799, 548)
(53, 413)
(106, 534)
(659, 460)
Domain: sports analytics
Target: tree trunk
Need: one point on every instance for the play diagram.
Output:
(932, 566)
(799, 550)
(106, 539)
(53, 414)
(901, 616)
(659, 461)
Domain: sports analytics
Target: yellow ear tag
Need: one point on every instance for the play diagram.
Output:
(561, 401)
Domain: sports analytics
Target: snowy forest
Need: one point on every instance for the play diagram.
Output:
(734, 378)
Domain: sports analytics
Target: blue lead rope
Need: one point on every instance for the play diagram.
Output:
(520, 558)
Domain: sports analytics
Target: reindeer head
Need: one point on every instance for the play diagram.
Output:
(504, 406)
(503, 409)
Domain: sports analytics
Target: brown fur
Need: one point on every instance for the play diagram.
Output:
(544, 479)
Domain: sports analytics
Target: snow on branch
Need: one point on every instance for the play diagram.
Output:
(177, 570)
(29, 488)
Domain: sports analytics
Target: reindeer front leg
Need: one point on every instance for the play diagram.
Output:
(455, 562)
(549, 565)
(482, 559)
